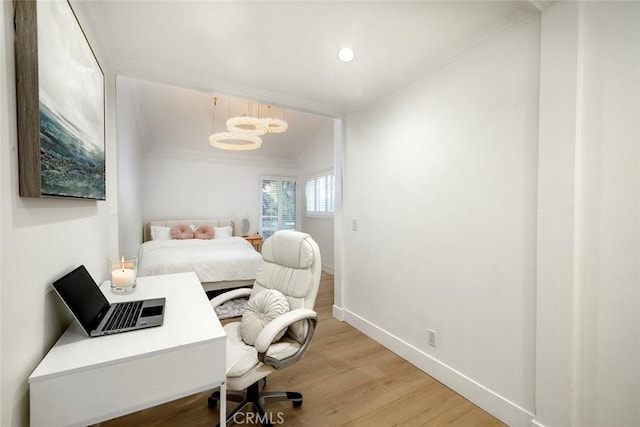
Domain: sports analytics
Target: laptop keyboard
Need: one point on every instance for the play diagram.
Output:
(125, 315)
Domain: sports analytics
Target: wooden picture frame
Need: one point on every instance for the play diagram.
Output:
(61, 104)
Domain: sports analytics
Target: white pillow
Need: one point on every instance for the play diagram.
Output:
(222, 232)
(261, 309)
(160, 233)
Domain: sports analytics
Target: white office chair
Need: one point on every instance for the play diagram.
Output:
(291, 265)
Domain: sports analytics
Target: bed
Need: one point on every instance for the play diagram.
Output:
(219, 263)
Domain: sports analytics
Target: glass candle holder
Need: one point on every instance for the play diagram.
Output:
(123, 274)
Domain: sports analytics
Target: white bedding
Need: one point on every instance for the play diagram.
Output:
(213, 260)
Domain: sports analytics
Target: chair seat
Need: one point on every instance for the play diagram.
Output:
(241, 357)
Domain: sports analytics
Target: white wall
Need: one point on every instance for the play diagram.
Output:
(195, 185)
(517, 235)
(556, 298)
(611, 213)
(442, 178)
(40, 240)
(317, 158)
(588, 298)
(130, 152)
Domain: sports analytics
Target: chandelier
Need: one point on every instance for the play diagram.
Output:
(235, 141)
(243, 132)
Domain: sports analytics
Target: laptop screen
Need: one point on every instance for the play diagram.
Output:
(83, 297)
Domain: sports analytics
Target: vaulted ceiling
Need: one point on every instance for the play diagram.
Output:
(175, 119)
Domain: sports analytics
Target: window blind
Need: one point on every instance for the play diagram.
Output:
(319, 194)
(278, 210)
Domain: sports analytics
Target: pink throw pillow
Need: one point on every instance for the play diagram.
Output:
(181, 232)
(204, 232)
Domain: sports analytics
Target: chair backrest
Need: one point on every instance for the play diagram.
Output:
(291, 264)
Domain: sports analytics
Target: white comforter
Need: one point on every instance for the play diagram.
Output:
(213, 260)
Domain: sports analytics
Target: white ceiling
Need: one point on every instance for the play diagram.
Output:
(284, 53)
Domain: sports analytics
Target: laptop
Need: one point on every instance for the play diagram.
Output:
(96, 316)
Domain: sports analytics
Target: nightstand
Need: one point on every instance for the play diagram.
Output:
(256, 241)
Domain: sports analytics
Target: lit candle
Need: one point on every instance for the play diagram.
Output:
(123, 276)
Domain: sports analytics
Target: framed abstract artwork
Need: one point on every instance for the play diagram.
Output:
(61, 104)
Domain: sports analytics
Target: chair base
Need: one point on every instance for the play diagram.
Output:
(254, 396)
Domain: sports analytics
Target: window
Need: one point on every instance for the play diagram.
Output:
(320, 195)
(278, 207)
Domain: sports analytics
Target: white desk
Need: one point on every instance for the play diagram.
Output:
(83, 381)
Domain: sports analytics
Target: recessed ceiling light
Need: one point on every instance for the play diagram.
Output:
(346, 54)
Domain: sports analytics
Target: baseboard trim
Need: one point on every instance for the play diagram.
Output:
(327, 268)
(505, 410)
(536, 423)
(338, 313)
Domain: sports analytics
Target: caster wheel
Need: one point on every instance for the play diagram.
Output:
(297, 403)
(212, 402)
(213, 399)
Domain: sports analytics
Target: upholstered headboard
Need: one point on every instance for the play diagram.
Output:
(214, 222)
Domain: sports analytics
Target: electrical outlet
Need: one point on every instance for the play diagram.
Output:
(432, 337)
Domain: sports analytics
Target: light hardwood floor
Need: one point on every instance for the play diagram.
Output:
(347, 379)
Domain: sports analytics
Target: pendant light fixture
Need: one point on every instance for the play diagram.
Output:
(247, 124)
(235, 141)
(244, 131)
